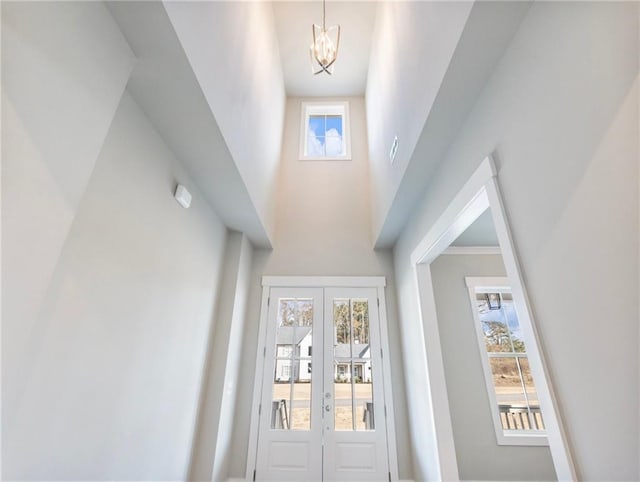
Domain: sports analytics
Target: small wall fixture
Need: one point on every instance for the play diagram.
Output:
(394, 150)
(324, 49)
(183, 196)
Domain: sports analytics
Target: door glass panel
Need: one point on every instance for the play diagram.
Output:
(343, 396)
(301, 404)
(353, 390)
(360, 320)
(342, 327)
(363, 390)
(291, 404)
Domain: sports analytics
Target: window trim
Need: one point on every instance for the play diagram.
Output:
(338, 107)
(503, 437)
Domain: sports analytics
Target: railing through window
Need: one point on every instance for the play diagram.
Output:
(521, 417)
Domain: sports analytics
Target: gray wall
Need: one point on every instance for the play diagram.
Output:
(473, 430)
(323, 228)
(103, 380)
(561, 113)
(212, 452)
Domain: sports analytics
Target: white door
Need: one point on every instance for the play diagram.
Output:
(322, 415)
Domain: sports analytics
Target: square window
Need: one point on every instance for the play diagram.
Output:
(325, 131)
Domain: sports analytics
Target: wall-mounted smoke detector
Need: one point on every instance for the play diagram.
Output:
(183, 196)
(394, 150)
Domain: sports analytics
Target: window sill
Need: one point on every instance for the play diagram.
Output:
(342, 158)
(522, 438)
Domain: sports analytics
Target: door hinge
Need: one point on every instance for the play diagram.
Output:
(259, 409)
(269, 301)
(389, 477)
(254, 476)
(264, 352)
(385, 411)
(381, 354)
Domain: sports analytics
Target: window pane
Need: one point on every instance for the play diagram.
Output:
(506, 380)
(315, 145)
(333, 146)
(532, 395)
(333, 126)
(500, 325)
(509, 392)
(316, 125)
(514, 327)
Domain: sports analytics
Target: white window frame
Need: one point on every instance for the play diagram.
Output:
(504, 437)
(325, 108)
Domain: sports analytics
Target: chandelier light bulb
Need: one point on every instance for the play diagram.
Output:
(324, 48)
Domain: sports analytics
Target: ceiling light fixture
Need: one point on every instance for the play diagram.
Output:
(324, 49)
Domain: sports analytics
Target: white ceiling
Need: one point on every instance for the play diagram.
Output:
(293, 27)
(481, 233)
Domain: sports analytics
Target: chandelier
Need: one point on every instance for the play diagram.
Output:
(324, 49)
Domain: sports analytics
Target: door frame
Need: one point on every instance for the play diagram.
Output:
(268, 282)
(481, 192)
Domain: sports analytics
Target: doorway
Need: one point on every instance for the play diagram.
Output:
(322, 406)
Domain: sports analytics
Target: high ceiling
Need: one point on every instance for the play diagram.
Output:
(293, 28)
(423, 65)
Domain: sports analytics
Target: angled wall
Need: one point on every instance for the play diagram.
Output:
(561, 114)
(248, 101)
(58, 99)
(413, 43)
(109, 286)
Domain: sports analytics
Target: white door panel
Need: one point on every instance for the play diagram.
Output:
(322, 402)
(290, 437)
(355, 447)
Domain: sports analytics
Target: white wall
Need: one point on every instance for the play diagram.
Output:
(58, 99)
(114, 360)
(323, 228)
(561, 112)
(413, 43)
(212, 445)
(471, 419)
(239, 38)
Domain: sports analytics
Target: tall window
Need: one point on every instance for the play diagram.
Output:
(512, 392)
(324, 133)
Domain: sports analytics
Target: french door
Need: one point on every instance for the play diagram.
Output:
(322, 408)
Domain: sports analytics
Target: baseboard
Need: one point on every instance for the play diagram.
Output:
(244, 480)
